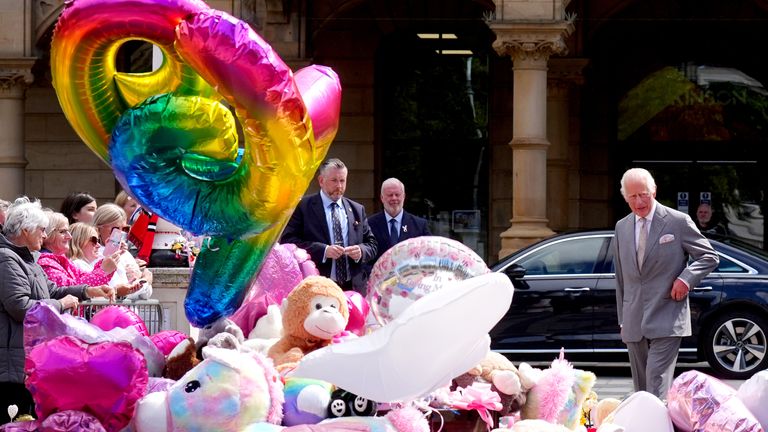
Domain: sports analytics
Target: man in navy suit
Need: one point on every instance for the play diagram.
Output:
(394, 224)
(334, 230)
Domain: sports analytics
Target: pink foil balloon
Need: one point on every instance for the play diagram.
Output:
(699, 402)
(105, 379)
(285, 266)
(167, 340)
(323, 101)
(119, 316)
(358, 311)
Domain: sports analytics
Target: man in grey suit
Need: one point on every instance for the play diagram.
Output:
(653, 277)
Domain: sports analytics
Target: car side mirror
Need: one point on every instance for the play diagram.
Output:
(515, 271)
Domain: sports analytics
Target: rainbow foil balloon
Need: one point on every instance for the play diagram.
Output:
(172, 140)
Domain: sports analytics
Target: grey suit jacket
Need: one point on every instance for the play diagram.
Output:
(643, 298)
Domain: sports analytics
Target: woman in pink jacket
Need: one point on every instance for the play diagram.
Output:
(60, 269)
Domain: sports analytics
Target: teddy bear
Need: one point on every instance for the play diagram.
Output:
(181, 359)
(313, 313)
(504, 378)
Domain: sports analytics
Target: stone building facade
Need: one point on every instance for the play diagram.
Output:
(558, 81)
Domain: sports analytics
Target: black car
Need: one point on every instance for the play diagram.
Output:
(565, 298)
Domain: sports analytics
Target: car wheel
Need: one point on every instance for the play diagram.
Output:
(737, 345)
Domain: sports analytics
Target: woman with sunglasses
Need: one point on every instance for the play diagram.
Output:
(111, 217)
(58, 267)
(84, 246)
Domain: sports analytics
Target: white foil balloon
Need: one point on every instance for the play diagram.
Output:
(438, 337)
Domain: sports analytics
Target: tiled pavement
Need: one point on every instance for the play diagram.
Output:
(616, 382)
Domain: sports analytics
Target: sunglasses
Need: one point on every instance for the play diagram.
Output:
(94, 240)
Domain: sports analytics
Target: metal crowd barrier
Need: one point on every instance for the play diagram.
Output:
(150, 311)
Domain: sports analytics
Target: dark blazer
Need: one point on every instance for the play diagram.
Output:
(308, 229)
(411, 226)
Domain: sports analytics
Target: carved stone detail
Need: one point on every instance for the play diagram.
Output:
(15, 76)
(45, 13)
(531, 41)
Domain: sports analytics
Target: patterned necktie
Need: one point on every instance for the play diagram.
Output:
(393, 231)
(642, 238)
(338, 239)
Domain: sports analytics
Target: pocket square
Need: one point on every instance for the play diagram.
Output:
(666, 238)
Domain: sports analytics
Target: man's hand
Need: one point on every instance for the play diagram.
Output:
(354, 252)
(679, 290)
(334, 251)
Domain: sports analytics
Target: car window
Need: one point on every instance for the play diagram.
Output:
(570, 256)
(728, 266)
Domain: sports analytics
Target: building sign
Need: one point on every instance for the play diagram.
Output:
(682, 201)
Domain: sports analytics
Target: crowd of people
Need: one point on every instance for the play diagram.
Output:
(60, 258)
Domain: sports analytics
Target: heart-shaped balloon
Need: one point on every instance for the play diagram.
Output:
(119, 316)
(105, 379)
(285, 266)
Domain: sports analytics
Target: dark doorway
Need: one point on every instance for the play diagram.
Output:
(433, 128)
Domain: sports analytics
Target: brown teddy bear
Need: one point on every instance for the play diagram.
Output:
(504, 378)
(313, 313)
(181, 360)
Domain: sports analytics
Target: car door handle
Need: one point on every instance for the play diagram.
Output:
(577, 289)
(703, 288)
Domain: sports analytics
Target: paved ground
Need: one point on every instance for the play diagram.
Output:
(616, 381)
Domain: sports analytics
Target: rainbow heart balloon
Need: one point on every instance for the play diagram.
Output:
(172, 140)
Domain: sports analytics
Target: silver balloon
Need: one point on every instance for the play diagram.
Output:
(416, 267)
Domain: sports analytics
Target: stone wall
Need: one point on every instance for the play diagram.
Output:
(170, 288)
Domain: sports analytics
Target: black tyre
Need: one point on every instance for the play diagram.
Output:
(736, 345)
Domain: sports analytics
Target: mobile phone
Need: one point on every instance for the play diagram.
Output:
(112, 244)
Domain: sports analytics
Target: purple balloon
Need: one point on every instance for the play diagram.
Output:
(157, 384)
(699, 402)
(24, 426)
(285, 266)
(71, 421)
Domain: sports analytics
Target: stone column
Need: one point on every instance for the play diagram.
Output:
(15, 76)
(530, 44)
(564, 73)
